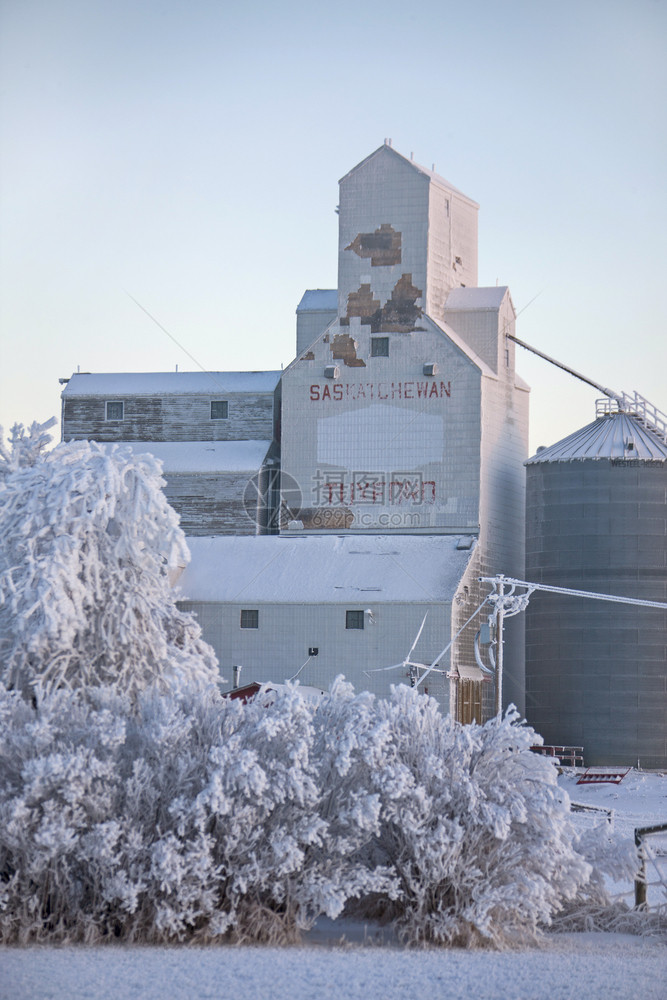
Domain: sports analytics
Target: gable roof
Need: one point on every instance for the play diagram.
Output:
(441, 327)
(169, 383)
(319, 300)
(201, 456)
(447, 331)
(476, 299)
(316, 569)
(387, 150)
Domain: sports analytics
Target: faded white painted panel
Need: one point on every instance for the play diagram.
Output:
(278, 649)
(415, 438)
(405, 438)
(401, 227)
(309, 326)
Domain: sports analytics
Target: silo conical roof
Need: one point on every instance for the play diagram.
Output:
(612, 436)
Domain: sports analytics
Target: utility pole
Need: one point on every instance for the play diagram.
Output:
(506, 602)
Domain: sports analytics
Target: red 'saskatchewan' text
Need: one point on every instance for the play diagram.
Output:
(380, 390)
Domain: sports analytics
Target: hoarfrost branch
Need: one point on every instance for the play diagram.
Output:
(87, 545)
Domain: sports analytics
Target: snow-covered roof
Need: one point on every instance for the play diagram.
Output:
(169, 383)
(203, 456)
(607, 437)
(444, 328)
(316, 569)
(318, 300)
(464, 299)
(435, 178)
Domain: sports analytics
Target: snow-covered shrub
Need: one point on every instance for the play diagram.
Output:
(59, 789)
(475, 827)
(88, 541)
(613, 859)
(351, 745)
(256, 810)
(189, 817)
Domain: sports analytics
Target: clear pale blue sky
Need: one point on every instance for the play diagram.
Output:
(189, 153)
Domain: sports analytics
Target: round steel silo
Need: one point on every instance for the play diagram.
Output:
(596, 520)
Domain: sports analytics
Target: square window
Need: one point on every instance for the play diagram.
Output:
(114, 411)
(219, 409)
(379, 347)
(354, 619)
(250, 619)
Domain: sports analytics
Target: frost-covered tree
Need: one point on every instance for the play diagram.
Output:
(24, 447)
(475, 827)
(87, 545)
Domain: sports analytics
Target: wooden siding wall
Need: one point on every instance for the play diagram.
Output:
(210, 504)
(469, 708)
(171, 418)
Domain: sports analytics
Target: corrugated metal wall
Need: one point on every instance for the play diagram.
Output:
(596, 673)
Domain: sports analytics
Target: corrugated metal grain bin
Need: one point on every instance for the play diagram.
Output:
(596, 672)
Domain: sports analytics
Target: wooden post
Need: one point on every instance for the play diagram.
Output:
(640, 880)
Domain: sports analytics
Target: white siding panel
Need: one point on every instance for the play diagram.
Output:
(279, 647)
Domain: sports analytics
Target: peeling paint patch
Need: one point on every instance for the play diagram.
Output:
(399, 315)
(362, 303)
(401, 312)
(308, 356)
(383, 246)
(345, 349)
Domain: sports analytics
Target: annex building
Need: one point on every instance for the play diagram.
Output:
(335, 508)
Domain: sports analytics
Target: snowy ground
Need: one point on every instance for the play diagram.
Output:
(640, 800)
(568, 967)
(585, 967)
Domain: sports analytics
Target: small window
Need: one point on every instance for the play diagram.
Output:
(354, 619)
(219, 409)
(250, 619)
(114, 411)
(379, 347)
